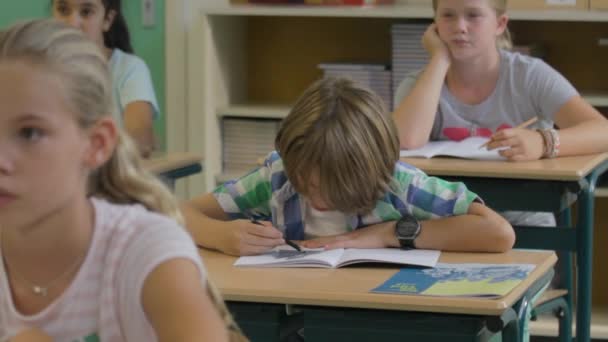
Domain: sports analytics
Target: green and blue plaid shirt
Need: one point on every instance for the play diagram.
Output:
(266, 194)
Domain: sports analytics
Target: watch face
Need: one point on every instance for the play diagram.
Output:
(407, 227)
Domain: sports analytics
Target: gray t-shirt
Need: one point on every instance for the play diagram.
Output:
(526, 87)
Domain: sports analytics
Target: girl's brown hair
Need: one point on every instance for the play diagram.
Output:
(341, 133)
(82, 66)
(504, 41)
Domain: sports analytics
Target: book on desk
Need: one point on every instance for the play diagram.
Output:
(285, 256)
(468, 148)
(457, 280)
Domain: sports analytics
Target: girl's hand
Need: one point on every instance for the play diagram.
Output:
(433, 44)
(522, 144)
(375, 236)
(32, 335)
(247, 238)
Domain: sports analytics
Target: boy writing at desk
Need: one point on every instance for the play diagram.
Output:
(336, 182)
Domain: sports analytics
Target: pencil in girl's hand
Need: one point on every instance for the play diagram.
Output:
(522, 125)
(288, 242)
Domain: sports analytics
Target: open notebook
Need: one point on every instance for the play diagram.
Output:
(285, 256)
(467, 148)
(457, 280)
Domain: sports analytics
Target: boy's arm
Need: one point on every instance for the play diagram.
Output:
(209, 226)
(479, 230)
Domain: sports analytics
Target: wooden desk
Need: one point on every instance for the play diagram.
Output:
(173, 166)
(320, 292)
(559, 169)
(544, 185)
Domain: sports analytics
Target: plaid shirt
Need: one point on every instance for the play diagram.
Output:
(266, 194)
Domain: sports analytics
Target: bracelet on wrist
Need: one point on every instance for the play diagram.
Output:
(556, 143)
(547, 142)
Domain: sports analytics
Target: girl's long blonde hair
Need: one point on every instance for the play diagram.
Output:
(81, 64)
(504, 41)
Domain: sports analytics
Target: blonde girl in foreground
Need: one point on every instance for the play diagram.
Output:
(90, 242)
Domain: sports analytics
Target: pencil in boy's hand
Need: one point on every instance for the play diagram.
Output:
(294, 245)
(522, 125)
(288, 242)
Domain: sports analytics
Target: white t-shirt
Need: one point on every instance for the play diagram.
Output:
(319, 223)
(131, 81)
(103, 303)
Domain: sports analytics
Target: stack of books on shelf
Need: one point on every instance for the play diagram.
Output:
(376, 77)
(319, 2)
(408, 54)
(245, 141)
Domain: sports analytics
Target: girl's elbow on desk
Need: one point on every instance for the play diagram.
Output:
(410, 141)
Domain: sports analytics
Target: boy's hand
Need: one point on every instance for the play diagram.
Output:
(375, 236)
(247, 238)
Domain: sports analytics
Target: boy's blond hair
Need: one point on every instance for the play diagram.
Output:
(340, 134)
(68, 53)
(505, 41)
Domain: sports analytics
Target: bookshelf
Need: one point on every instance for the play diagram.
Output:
(254, 111)
(253, 61)
(239, 51)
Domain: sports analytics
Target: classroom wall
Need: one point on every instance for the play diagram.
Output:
(149, 43)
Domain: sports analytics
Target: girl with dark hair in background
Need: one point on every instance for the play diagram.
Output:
(134, 102)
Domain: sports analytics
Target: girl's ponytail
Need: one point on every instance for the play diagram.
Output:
(124, 180)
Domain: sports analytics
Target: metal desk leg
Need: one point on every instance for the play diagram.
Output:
(584, 263)
(566, 281)
(584, 254)
(514, 329)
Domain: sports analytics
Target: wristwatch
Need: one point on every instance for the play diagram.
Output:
(407, 230)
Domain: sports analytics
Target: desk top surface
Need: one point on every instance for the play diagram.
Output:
(170, 161)
(560, 169)
(350, 286)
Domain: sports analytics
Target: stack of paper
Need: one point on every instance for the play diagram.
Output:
(376, 77)
(245, 141)
(408, 54)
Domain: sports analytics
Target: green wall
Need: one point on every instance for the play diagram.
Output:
(149, 43)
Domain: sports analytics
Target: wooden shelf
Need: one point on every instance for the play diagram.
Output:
(596, 99)
(386, 11)
(601, 192)
(254, 111)
(280, 111)
(548, 325)
(389, 11)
